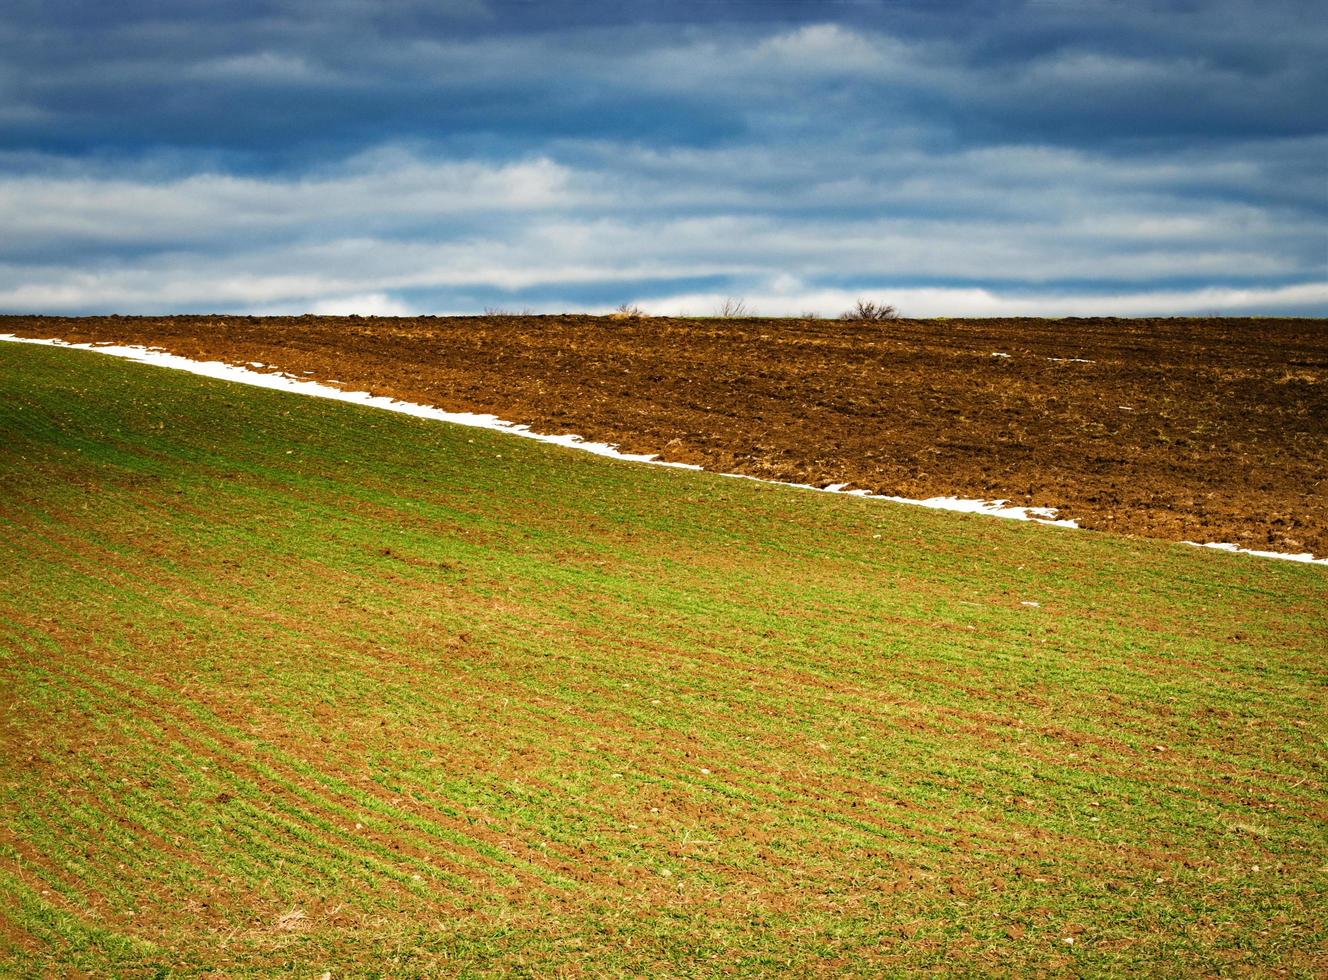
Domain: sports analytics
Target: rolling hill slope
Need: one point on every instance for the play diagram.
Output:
(293, 684)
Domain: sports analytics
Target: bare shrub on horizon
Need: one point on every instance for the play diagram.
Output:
(870, 311)
(733, 307)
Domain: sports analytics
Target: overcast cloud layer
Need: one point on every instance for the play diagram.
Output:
(393, 156)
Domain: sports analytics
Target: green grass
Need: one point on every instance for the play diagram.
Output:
(293, 685)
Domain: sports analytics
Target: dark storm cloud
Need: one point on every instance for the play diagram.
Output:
(82, 76)
(181, 153)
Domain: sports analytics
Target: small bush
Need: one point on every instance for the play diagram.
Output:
(733, 307)
(869, 311)
(628, 309)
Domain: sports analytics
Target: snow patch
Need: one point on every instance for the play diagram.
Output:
(1305, 557)
(992, 508)
(285, 382)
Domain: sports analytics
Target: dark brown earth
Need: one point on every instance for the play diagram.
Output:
(1183, 429)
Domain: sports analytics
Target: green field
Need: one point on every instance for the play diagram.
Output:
(294, 685)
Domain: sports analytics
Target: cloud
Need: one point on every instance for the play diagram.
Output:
(824, 48)
(383, 190)
(959, 302)
(1021, 221)
(280, 78)
(363, 304)
(260, 68)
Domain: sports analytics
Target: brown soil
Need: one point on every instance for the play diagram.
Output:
(1184, 429)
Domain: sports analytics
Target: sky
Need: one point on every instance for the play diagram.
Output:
(976, 157)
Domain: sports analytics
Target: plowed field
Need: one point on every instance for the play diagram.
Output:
(1202, 430)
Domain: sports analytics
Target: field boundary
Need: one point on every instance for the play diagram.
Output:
(282, 381)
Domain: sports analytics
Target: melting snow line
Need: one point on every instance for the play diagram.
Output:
(1306, 557)
(285, 382)
(992, 508)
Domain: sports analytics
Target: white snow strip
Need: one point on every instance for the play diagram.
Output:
(285, 382)
(992, 508)
(1306, 557)
(1071, 360)
(995, 508)
(997, 353)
